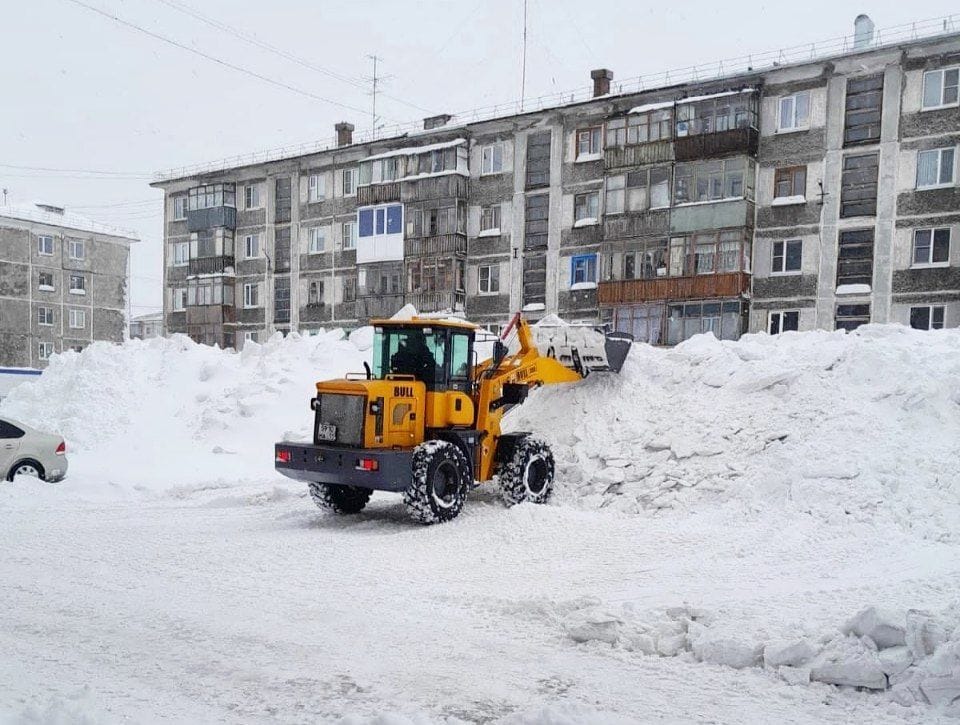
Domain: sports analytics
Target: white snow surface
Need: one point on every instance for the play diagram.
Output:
(735, 526)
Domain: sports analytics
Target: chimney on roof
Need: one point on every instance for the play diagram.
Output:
(863, 28)
(51, 208)
(436, 121)
(601, 81)
(344, 133)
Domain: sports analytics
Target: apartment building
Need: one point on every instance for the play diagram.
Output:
(146, 326)
(63, 283)
(821, 193)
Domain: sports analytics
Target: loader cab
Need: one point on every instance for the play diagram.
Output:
(437, 353)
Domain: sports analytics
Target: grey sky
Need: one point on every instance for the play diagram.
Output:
(81, 91)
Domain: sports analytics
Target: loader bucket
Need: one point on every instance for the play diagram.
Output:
(583, 348)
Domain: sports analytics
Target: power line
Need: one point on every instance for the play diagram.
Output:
(253, 39)
(219, 61)
(128, 174)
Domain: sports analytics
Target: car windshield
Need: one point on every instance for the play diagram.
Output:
(417, 351)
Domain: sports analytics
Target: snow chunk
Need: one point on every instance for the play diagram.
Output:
(853, 289)
(847, 661)
(879, 626)
(582, 286)
(719, 649)
(789, 200)
(587, 221)
(785, 652)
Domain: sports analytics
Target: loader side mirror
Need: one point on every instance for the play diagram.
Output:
(499, 353)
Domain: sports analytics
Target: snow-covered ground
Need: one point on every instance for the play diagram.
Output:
(723, 512)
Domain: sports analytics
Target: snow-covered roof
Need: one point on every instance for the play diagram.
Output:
(66, 220)
(413, 150)
(152, 317)
(691, 99)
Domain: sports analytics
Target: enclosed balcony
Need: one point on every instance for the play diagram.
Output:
(437, 301)
(631, 291)
(379, 306)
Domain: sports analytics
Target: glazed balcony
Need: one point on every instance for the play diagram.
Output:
(701, 286)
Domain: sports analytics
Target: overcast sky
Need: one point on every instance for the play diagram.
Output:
(83, 93)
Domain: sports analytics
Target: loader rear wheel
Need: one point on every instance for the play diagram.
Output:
(340, 499)
(441, 475)
(528, 475)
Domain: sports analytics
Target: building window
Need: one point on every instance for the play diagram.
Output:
(45, 245)
(850, 317)
(75, 248)
(855, 259)
(251, 246)
(538, 159)
(317, 239)
(179, 208)
(349, 182)
(349, 289)
(489, 279)
(709, 253)
(45, 350)
(583, 269)
(713, 180)
(536, 222)
(45, 316)
(490, 218)
(927, 317)
(931, 247)
(716, 115)
(212, 195)
(638, 128)
(588, 142)
(637, 191)
(251, 196)
(316, 187)
(179, 299)
(45, 282)
(181, 254)
(935, 168)
(858, 185)
(78, 319)
(723, 319)
(250, 336)
(787, 257)
(863, 107)
(374, 221)
(491, 159)
(315, 293)
(789, 182)
(207, 291)
(784, 321)
(586, 208)
(940, 88)
(794, 112)
(251, 295)
(78, 284)
(349, 232)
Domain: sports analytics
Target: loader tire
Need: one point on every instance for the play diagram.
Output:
(441, 477)
(528, 475)
(340, 499)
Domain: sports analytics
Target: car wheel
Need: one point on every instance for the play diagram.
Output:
(26, 468)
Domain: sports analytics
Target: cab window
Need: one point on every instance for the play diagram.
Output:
(459, 357)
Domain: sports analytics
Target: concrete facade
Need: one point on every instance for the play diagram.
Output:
(738, 204)
(63, 284)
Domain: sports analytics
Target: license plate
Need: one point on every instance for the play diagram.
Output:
(326, 432)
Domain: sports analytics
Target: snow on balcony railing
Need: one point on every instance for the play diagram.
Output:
(807, 52)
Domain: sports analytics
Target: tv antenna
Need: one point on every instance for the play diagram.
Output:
(376, 80)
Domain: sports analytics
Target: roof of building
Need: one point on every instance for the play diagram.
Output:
(152, 317)
(57, 217)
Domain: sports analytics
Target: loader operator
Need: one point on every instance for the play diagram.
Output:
(414, 358)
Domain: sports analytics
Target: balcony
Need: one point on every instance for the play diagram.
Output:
(449, 186)
(378, 193)
(383, 305)
(721, 143)
(654, 152)
(436, 245)
(636, 224)
(215, 216)
(437, 301)
(210, 315)
(702, 286)
(210, 265)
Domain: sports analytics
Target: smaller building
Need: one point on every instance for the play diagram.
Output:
(146, 326)
(63, 283)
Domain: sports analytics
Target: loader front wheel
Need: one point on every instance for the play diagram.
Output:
(528, 475)
(340, 499)
(441, 476)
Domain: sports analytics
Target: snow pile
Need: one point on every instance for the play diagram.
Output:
(915, 655)
(163, 413)
(849, 427)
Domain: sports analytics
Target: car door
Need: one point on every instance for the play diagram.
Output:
(10, 436)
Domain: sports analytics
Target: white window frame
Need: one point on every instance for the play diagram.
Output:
(348, 236)
(43, 314)
(45, 350)
(493, 271)
(783, 271)
(250, 336)
(181, 254)
(77, 318)
(45, 287)
(795, 123)
(953, 171)
(596, 204)
(942, 72)
(779, 316)
(930, 263)
(314, 233)
(251, 295)
(488, 159)
(930, 309)
(41, 245)
(180, 207)
(353, 175)
(82, 290)
(316, 188)
(594, 136)
(495, 212)
(179, 299)
(252, 189)
(254, 241)
(76, 249)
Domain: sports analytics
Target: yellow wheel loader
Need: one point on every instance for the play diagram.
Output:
(424, 420)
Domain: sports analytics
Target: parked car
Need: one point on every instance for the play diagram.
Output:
(25, 451)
